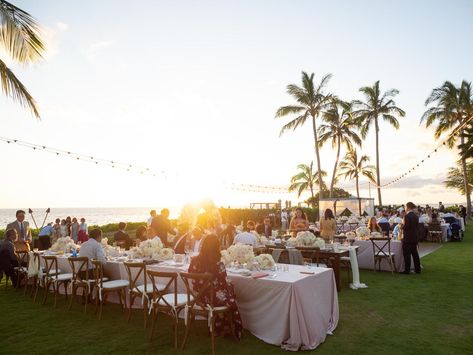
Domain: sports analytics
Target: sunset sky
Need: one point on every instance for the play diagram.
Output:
(191, 88)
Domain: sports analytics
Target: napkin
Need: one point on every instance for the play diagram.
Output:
(258, 275)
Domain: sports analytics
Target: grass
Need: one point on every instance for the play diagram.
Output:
(431, 313)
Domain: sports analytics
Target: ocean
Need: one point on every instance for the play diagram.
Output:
(93, 216)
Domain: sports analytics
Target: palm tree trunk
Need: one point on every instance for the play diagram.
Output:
(335, 167)
(358, 195)
(319, 170)
(378, 179)
(465, 178)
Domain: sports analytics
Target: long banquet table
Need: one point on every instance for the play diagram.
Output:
(293, 310)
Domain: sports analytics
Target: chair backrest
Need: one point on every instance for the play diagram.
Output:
(450, 220)
(50, 266)
(170, 286)
(434, 227)
(98, 272)
(203, 295)
(23, 257)
(80, 267)
(37, 259)
(310, 253)
(379, 248)
(339, 238)
(385, 227)
(135, 271)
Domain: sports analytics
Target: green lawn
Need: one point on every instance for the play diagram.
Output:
(431, 313)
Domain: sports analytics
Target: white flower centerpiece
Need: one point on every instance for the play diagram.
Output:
(243, 254)
(109, 250)
(376, 235)
(260, 239)
(265, 261)
(350, 235)
(363, 232)
(64, 244)
(152, 249)
(306, 239)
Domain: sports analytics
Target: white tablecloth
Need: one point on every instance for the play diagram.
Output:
(366, 257)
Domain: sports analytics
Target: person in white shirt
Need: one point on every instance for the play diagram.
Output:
(152, 214)
(93, 248)
(248, 237)
(196, 241)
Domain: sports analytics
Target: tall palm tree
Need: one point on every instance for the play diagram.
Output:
(20, 38)
(340, 128)
(354, 167)
(451, 110)
(311, 101)
(305, 179)
(455, 178)
(466, 148)
(377, 106)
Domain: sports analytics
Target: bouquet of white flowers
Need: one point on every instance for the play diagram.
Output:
(265, 261)
(240, 253)
(64, 244)
(363, 232)
(305, 239)
(152, 249)
(260, 239)
(376, 235)
(350, 235)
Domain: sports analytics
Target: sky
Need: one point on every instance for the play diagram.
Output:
(191, 88)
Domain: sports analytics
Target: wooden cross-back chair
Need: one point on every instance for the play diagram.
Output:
(53, 278)
(380, 253)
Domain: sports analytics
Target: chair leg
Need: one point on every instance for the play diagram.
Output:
(124, 298)
(66, 284)
(175, 330)
(56, 290)
(86, 296)
(153, 324)
(145, 311)
(188, 328)
(73, 294)
(46, 291)
(212, 335)
(26, 285)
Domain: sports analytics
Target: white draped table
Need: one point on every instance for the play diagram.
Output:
(293, 310)
(366, 257)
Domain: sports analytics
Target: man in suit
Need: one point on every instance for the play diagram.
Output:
(409, 242)
(23, 231)
(161, 226)
(8, 258)
(121, 237)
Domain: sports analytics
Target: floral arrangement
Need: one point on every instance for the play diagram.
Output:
(260, 239)
(152, 249)
(376, 235)
(353, 219)
(306, 239)
(109, 250)
(64, 244)
(239, 253)
(363, 232)
(350, 235)
(265, 261)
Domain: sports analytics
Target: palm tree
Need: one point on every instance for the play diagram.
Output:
(20, 38)
(340, 129)
(354, 167)
(466, 149)
(305, 179)
(455, 178)
(451, 111)
(375, 107)
(311, 102)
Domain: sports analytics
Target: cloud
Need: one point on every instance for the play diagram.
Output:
(93, 50)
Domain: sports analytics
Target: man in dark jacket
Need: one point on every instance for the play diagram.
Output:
(8, 258)
(161, 226)
(409, 242)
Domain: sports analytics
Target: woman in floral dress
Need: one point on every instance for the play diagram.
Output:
(209, 261)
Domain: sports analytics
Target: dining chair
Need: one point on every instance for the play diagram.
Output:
(136, 272)
(201, 303)
(53, 278)
(22, 269)
(380, 253)
(165, 299)
(104, 288)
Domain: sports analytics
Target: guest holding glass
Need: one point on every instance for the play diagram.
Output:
(299, 221)
(328, 226)
(209, 261)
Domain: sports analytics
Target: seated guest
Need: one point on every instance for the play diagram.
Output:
(299, 222)
(373, 225)
(44, 237)
(23, 231)
(196, 240)
(259, 227)
(434, 224)
(121, 237)
(248, 237)
(266, 229)
(383, 219)
(327, 225)
(141, 234)
(228, 235)
(397, 231)
(209, 261)
(8, 258)
(92, 248)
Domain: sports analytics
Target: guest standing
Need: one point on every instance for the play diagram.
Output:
(63, 229)
(209, 261)
(74, 229)
(299, 221)
(140, 234)
(23, 231)
(409, 242)
(328, 226)
(44, 237)
(56, 231)
(83, 234)
(161, 226)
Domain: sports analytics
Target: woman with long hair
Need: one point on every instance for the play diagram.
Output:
(209, 261)
(327, 225)
(373, 225)
(299, 221)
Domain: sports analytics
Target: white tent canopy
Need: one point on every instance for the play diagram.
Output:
(338, 205)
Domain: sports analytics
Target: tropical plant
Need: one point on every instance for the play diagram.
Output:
(377, 106)
(451, 111)
(20, 38)
(353, 167)
(339, 128)
(455, 178)
(311, 102)
(466, 148)
(305, 179)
